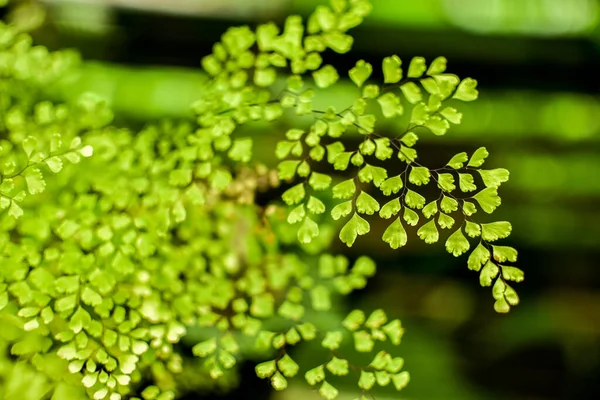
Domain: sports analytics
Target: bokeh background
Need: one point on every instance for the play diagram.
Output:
(538, 67)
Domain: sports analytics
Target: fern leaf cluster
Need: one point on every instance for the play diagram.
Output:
(118, 246)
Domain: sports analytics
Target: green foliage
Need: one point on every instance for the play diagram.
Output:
(107, 269)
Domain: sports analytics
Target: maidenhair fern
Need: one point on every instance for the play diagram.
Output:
(118, 245)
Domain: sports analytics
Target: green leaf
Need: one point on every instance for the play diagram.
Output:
(457, 243)
(428, 232)
(315, 205)
(376, 319)
(335, 129)
(409, 139)
(328, 392)
(452, 115)
(431, 86)
(29, 145)
(265, 77)
(448, 204)
(390, 105)
(417, 67)
(344, 190)
(370, 91)
(390, 209)
(371, 173)
(511, 296)
(382, 377)
(501, 306)
(437, 66)
(478, 257)
(342, 160)
(315, 375)
(338, 42)
(354, 227)
(478, 157)
(287, 366)
(241, 150)
(294, 195)
(367, 147)
(307, 330)
(495, 230)
(338, 366)
(494, 177)
(414, 199)
(466, 182)
(488, 273)
(366, 380)
(411, 217)
(407, 154)
(14, 210)
(430, 209)
(278, 381)
(488, 199)
(498, 289)
(395, 235)
(469, 208)
(79, 320)
(466, 90)
(262, 305)
(35, 181)
(383, 151)
(341, 210)
(360, 72)
(435, 102)
(366, 204)
(364, 266)
(394, 331)
(446, 182)
(392, 73)
(412, 92)
(294, 134)
(420, 114)
(319, 181)
(326, 76)
(472, 229)
(445, 221)
(401, 380)
(419, 175)
(303, 169)
(265, 369)
(504, 253)
(297, 214)
(512, 274)
(458, 161)
(357, 159)
(90, 297)
(381, 360)
(308, 230)
(287, 169)
(67, 229)
(320, 298)
(437, 125)
(363, 342)
(354, 320)
(317, 153)
(332, 340)
(392, 185)
(54, 164)
(180, 177)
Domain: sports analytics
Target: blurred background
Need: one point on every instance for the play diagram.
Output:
(537, 63)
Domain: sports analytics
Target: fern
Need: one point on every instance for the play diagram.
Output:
(115, 244)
